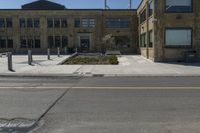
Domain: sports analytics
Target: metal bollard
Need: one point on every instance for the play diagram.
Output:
(30, 59)
(66, 52)
(58, 50)
(9, 55)
(48, 54)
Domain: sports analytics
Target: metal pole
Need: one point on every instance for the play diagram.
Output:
(29, 57)
(105, 3)
(66, 52)
(48, 54)
(130, 4)
(58, 50)
(9, 55)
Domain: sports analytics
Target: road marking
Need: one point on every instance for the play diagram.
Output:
(104, 87)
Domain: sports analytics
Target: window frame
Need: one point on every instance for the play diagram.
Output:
(150, 38)
(145, 44)
(3, 23)
(165, 10)
(178, 46)
(9, 22)
(119, 23)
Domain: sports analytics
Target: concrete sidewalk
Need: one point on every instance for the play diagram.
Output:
(129, 65)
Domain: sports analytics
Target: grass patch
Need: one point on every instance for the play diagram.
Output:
(92, 60)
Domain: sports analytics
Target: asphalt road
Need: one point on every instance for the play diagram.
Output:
(103, 104)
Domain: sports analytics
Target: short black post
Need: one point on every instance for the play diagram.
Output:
(58, 50)
(29, 57)
(48, 54)
(9, 55)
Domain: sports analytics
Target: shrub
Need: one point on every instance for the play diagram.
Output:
(113, 60)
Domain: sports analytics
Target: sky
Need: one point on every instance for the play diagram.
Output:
(113, 4)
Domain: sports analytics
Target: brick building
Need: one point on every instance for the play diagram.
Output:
(167, 28)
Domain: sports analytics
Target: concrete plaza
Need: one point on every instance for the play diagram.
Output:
(129, 65)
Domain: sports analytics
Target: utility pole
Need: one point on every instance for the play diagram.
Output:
(130, 4)
(106, 5)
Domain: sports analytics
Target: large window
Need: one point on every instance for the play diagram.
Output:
(143, 40)
(181, 37)
(178, 6)
(22, 22)
(36, 22)
(6, 42)
(57, 41)
(143, 16)
(3, 42)
(64, 41)
(117, 23)
(9, 22)
(64, 23)
(77, 23)
(151, 38)
(2, 23)
(30, 41)
(122, 41)
(57, 22)
(85, 22)
(151, 8)
(9, 42)
(50, 23)
(29, 22)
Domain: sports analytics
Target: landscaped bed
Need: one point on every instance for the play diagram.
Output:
(92, 60)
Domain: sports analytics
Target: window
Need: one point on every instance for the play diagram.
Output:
(143, 16)
(151, 38)
(151, 8)
(2, 23)
(117, 23)
(3, 42)
(50, 41)
(91, 22)
(22, 23)
(23, 42)
(36, 22)
(178, 6)
(9, 22)
(50, 23)
(181, 37)
(10, 42)
(143, 40)
(122, 41)
(84, 23)
(77, 23)
(64, 23)
(30, 43)
(64, 41)
(56, 23)
(57, 41)
(37, 42)
(29, 23)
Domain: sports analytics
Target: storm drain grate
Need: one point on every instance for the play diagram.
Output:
(18, 125)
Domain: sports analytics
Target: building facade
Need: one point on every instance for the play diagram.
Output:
(161, 30)
(169, 28)
(33, 27)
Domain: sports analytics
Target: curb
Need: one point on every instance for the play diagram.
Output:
(98, 75)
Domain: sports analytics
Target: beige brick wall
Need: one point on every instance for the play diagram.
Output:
(97, 33)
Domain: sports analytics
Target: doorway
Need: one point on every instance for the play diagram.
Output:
(84, 43)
